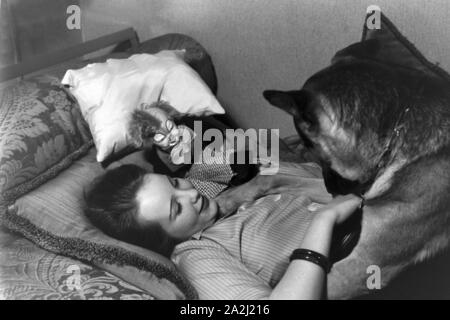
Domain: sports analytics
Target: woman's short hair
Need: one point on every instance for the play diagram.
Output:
(112, 207)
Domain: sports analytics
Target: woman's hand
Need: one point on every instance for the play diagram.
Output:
(340, 208)
(303, 279)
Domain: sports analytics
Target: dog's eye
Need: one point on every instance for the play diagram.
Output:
(308, 118)
(308, 121)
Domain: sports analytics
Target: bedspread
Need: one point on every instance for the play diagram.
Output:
(28, 272)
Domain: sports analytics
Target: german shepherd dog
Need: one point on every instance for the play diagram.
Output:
(378, 119)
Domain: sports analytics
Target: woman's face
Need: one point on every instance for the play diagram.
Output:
(174, 204)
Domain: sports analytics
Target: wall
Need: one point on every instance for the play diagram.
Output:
(39, 26)
(261, 44)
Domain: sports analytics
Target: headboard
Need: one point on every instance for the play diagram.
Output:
(127, 36)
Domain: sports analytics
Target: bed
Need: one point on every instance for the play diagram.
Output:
(35, 261)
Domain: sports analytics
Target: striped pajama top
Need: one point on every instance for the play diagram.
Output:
(244, 256)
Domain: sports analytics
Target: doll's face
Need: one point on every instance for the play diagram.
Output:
(167, 135)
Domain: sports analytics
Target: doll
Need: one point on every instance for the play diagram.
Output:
(154, 124)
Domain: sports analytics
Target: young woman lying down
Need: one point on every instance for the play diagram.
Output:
(273, 248)
(242, 256)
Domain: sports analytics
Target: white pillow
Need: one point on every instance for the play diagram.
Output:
(109, 92)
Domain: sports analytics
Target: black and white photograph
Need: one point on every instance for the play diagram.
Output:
(240, 151)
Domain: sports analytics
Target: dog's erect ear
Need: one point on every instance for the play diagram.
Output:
(290, 101)
(368, 49)
(386, 45)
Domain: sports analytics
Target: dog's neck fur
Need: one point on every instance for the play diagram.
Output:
(384, 181)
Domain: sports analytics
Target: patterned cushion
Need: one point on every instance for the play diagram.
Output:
(41, 133)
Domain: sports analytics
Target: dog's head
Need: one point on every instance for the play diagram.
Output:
(346, 147)
(346, 113)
